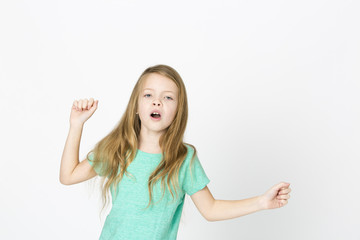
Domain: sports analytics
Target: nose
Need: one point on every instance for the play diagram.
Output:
(156, 102)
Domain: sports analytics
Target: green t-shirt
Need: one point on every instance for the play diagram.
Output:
(128, 219)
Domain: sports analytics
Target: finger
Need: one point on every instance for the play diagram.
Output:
(75, 104)
(84, 104)
(281, 197)
(90, 103)
(280, 186)
(285, 191)
(283, 202)
(79, 104)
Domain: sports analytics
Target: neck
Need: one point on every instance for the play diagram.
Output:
(149, 141)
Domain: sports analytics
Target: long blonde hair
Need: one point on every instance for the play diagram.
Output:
(114, 153)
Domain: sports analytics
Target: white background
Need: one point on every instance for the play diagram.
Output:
(273, 90)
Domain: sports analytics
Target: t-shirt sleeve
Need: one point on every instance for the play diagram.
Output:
(195, 178)
(98, 167)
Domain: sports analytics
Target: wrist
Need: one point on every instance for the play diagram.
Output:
(76, 125)
(261, 202)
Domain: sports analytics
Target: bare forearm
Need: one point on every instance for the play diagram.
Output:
(70, 157)
(228, 209)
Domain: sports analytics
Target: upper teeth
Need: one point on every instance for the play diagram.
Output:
(155, 113)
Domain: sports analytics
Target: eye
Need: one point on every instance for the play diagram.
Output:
(169, 98)
(146, 95)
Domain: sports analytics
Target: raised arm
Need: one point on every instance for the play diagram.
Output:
(71, 171)
(217, 210)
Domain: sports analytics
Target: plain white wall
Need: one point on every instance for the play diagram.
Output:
(273, 90)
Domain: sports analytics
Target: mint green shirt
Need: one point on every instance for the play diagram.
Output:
(128, 219)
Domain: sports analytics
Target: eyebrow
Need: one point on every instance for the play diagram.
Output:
(153, 90)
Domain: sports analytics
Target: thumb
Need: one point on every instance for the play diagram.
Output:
(281, 185)
(95, 105)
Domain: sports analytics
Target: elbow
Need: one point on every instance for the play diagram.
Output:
(210, 219)
(209, 216)
(64, 181)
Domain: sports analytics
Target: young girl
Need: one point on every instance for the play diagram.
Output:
(147, 167)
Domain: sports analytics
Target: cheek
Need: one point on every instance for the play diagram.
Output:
(173, 111)
(141, 110)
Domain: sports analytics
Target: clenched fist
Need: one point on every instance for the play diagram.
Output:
(82, 110)
(276, 197)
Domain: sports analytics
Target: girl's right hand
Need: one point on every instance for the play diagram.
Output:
(82, 110)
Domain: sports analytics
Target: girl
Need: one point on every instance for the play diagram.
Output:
(147, 167)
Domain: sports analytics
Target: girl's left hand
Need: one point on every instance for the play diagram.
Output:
(275, 197)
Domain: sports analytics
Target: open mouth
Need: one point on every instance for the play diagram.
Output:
(155, 115)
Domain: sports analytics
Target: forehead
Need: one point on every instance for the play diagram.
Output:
(160, 83)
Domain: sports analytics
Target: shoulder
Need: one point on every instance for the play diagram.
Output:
(191, 155)
(191, 150)
(90, 156)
